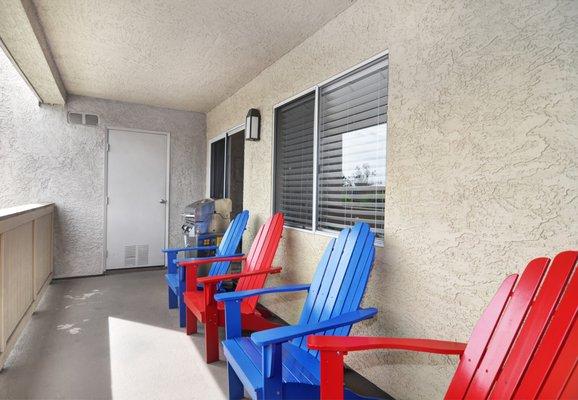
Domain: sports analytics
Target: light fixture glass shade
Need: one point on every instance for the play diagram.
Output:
(253, 124)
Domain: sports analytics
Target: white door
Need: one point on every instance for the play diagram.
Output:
(137, 199)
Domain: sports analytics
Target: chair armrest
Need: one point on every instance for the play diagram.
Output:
(286, 333)
(357, 343)
(333, 348)
(227, 277)
(257, 292)
(206, 260)
(233, 305)
(179, 249)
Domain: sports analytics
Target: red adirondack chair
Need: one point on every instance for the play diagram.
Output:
(202, 306)
(525, 346)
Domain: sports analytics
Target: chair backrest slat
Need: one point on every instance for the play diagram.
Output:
(229, 243)
(261, 256)
(526, 343)
(317, 278)
(479, 339)
(340, 279)
(553, 340)
(571, 389)
(507, 328)
(561, 377)
(538, 317)
(359, 284)
(322, 280)
(354, 284)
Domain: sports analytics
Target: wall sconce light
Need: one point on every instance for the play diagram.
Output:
(253, 124)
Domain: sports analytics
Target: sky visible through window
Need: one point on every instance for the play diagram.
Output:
(359, 165)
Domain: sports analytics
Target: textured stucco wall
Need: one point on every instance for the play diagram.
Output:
(481, 163)
(43, 158)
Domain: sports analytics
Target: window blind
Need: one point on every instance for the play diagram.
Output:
(351, 144)
(294, 161)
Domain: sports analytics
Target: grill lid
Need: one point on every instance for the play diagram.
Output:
(198, 216)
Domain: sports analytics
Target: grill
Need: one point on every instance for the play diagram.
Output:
(205, 218)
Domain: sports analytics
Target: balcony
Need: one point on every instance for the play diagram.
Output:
(447, 130)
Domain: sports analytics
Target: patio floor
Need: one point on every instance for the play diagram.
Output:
(112, 337)
(109, 337)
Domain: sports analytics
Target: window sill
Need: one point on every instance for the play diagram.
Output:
(378, 241)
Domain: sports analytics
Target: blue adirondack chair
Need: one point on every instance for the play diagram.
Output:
(175, 276)
(276, 363)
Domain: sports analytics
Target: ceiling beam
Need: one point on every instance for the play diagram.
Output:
(23, 40)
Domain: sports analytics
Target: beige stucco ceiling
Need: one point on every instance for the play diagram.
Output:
(22, 39)
(183, 54)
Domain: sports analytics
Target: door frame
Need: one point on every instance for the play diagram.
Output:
(105, 199)
(224, 135)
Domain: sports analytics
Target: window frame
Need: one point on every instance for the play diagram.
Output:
(224, 135)
(315, 88)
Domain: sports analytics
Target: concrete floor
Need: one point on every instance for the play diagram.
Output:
(109, 337)
(113, 337)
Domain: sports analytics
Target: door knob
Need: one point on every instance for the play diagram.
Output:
(163, 201)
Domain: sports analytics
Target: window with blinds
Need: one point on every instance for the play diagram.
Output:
(351, 149)
(294, 126)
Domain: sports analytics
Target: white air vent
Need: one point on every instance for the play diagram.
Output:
(82, 119)
(142, 254)
(130, 256)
